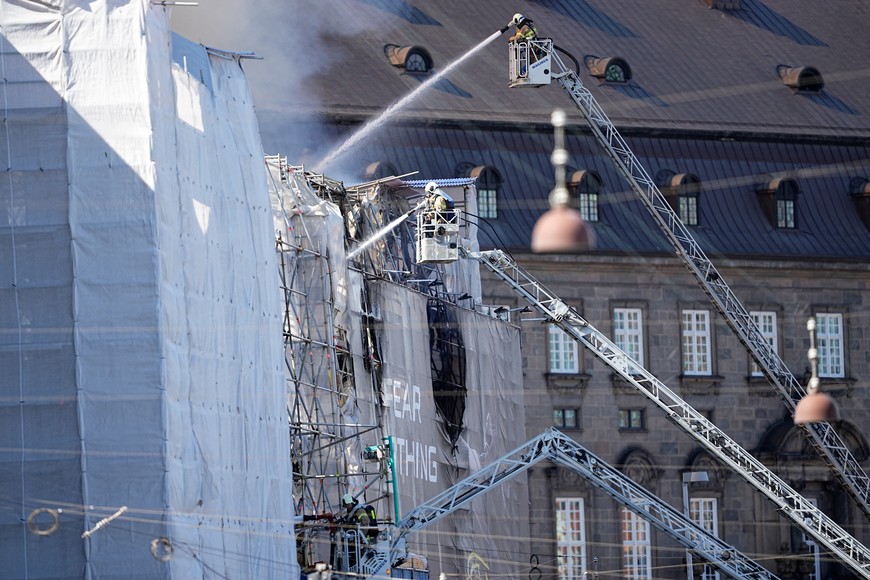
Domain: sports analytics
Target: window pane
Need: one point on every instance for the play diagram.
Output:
(571, 538)
(704, 512)
(588, 203)
(688, 205)
(631, 419)
(636, 548)
(628, 332)
(487, 206)
(563, 351)
(785, 213)
(696, 342)
(766, 324)
(829, 343)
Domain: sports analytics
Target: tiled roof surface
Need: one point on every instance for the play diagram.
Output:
(732, 222)
(705, 98)
(693, 68)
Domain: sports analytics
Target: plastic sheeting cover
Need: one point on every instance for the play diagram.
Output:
(141, 352)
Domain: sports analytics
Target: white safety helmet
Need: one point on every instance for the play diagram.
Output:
(431, 188)
(517, 18)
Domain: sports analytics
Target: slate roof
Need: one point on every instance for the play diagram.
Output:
(705, 98)
(693, 67)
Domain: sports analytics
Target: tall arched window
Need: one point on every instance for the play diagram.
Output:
(587, 186)
(379, 170)
(682, 190)
(488, 181)
(779, 200)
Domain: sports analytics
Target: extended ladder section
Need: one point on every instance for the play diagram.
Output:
(555, 446)
(822, 436)
(804, 514)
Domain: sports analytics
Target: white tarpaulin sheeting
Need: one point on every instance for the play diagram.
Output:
(493, 421)
(141, 354)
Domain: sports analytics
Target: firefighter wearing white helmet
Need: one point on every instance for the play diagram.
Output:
(525, 28)
(438, 200)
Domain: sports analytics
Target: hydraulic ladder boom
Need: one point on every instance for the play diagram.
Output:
(822, 436)
(557, 447)
(804, 514)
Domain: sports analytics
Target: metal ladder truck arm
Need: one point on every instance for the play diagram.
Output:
(788, 501)
(555, 446)
(822, 436)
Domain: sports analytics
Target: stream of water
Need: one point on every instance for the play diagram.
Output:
(374, 124)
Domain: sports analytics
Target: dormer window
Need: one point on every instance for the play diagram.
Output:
(859, 189)
(586, 185)
(611, 69)
(801, 79)
(779, 201)
(412, 59)
(487, 181)
(379, 170)
(682, 191)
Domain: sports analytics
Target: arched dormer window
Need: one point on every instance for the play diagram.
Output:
(682, 190)
(801, 79)
(611, 69)
(779, 201)
(379, 170)
(411, 59)
(488, 182)
(586, 185)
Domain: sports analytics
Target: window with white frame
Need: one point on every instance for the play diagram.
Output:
(696, 342)
(628, 332)
(563, 351)
(766, 323)
(571, 537)
(829, 344)
(704, 511)
(636, 546)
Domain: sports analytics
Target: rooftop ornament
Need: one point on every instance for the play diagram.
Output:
(561, 228)
(816, 406)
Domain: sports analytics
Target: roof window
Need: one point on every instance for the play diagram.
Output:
(611, 69)
(801, 79)
(586, 185)
(487, 182)
(682, 192)
(859, 189)
(412, 59)
(379, 170)
(779, 201)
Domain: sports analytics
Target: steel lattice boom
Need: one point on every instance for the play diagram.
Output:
(555, 446)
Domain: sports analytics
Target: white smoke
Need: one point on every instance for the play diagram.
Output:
(292, 39)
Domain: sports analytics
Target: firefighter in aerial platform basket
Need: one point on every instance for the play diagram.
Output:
(525, 31)
(439, 205)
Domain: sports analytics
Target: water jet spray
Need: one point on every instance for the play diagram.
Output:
(370, 127)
